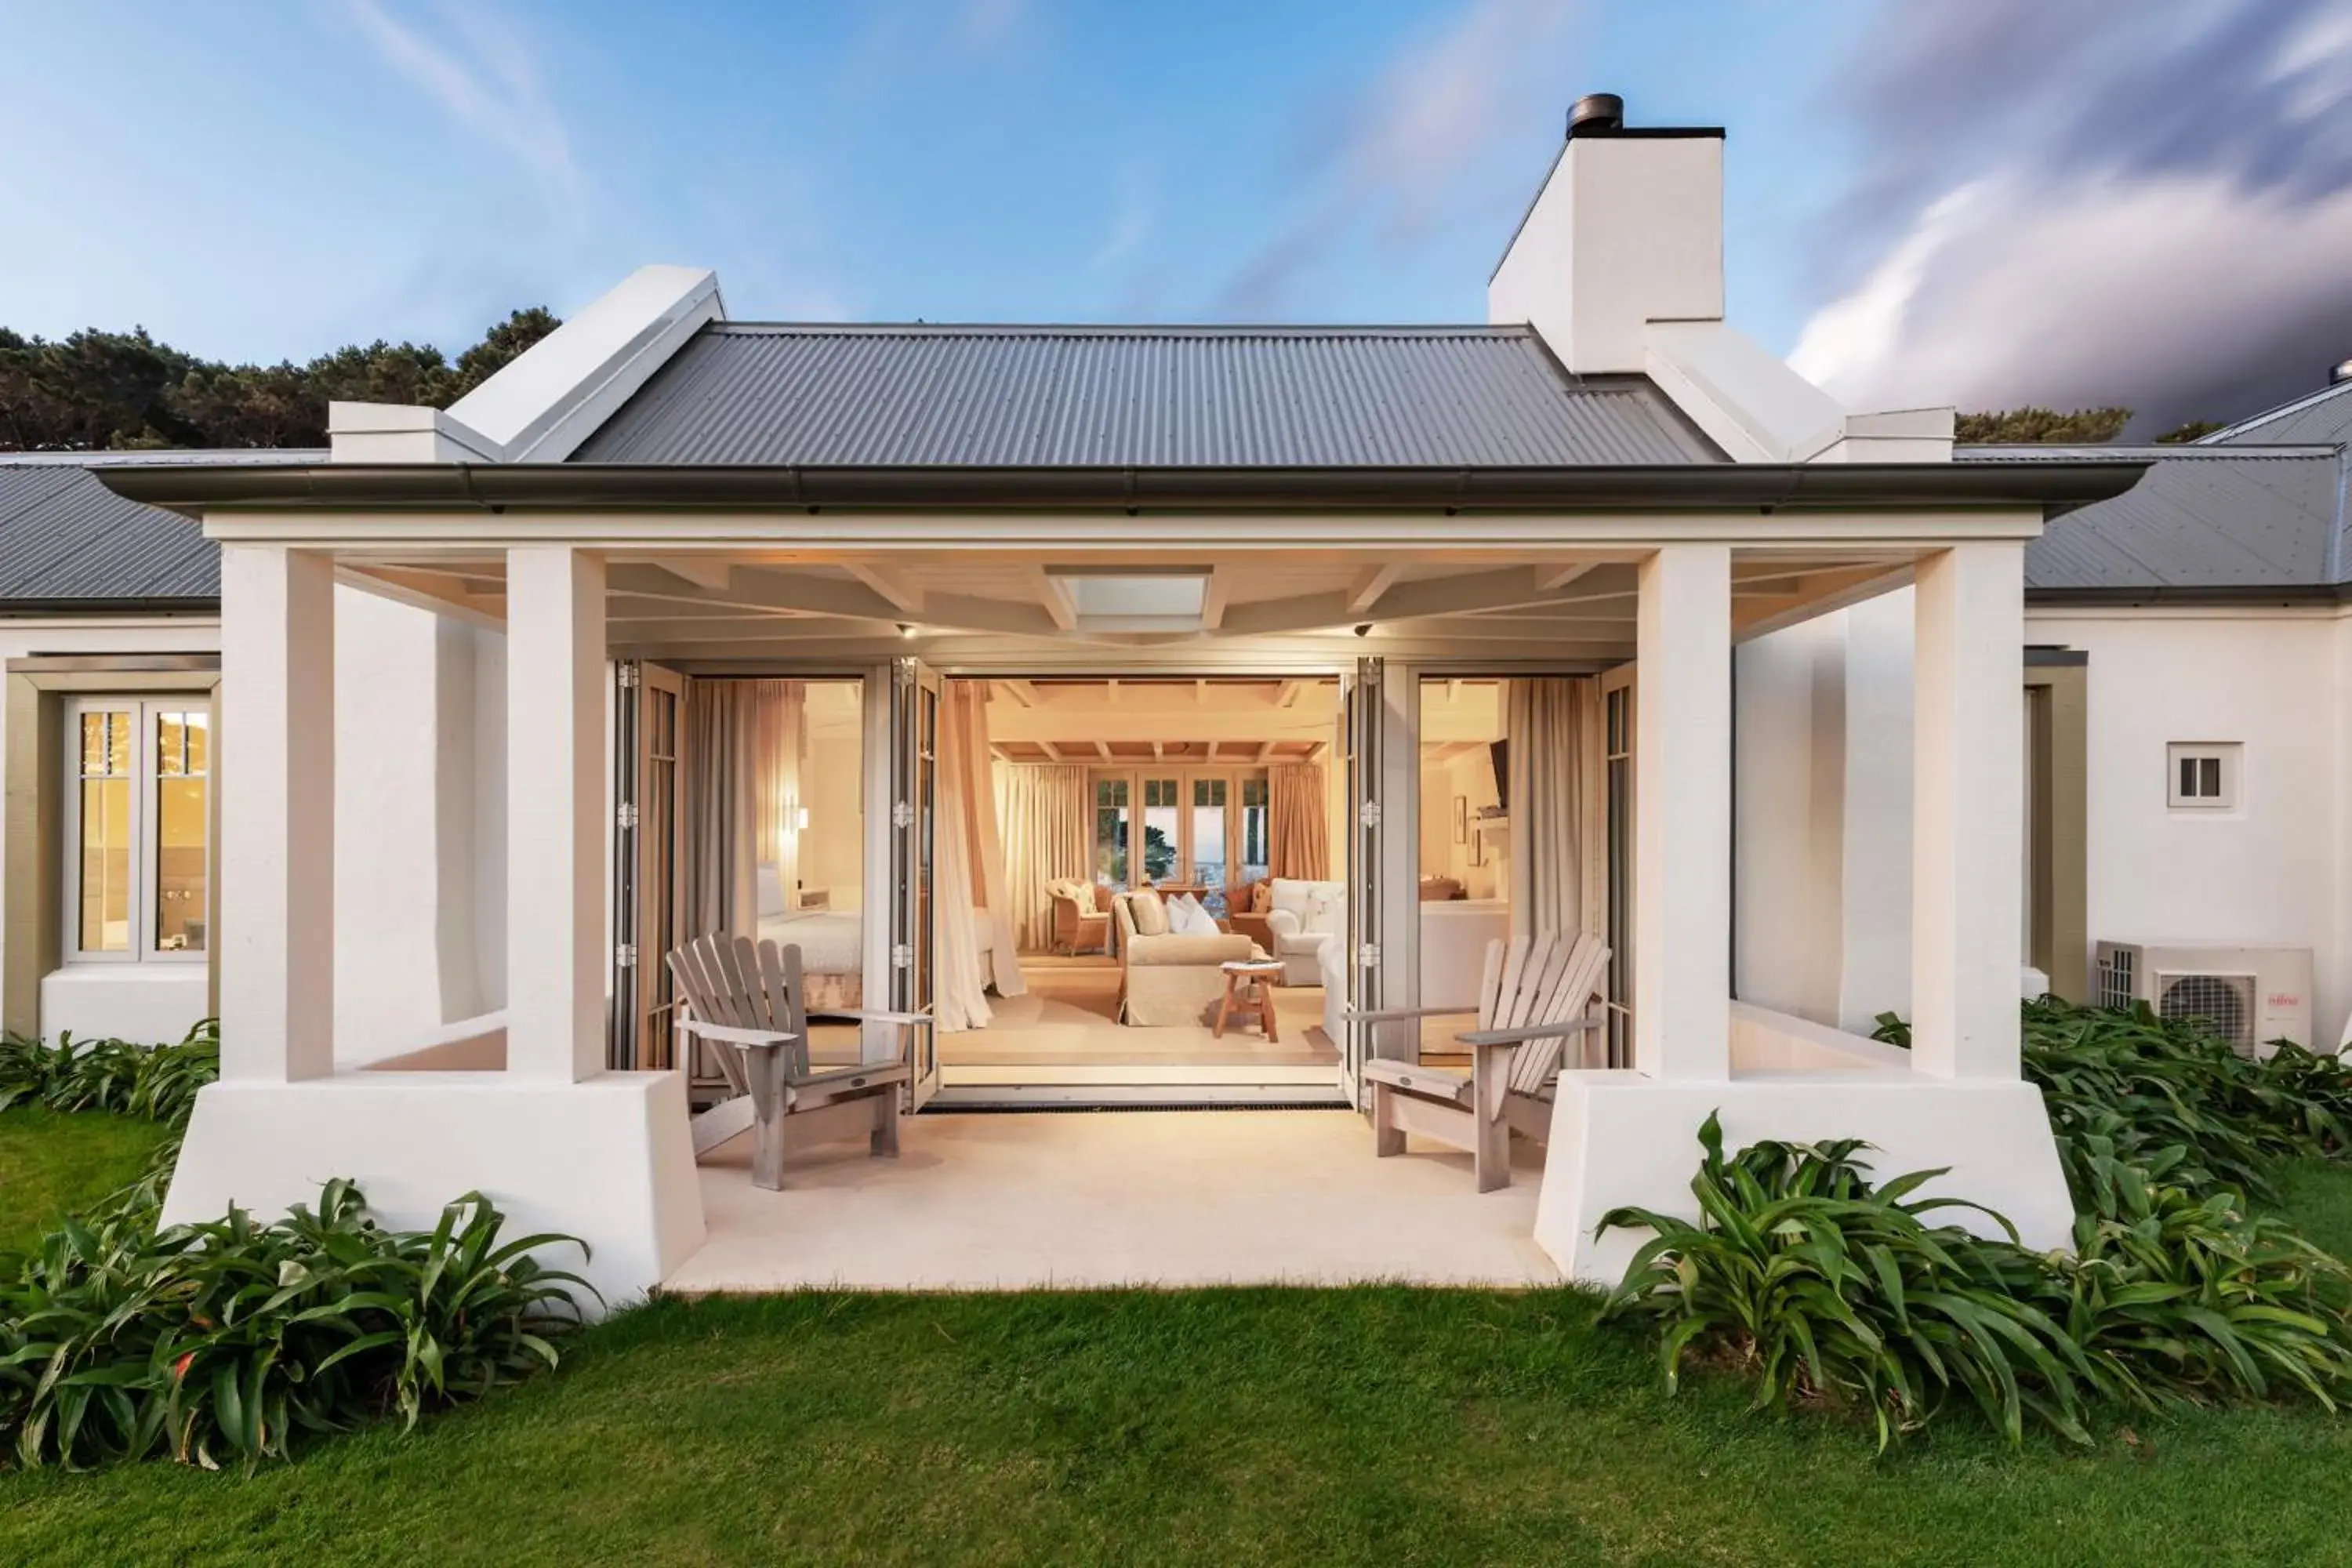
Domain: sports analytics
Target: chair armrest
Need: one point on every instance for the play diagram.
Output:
(730, 1034)
(1521, 1037)
(1390, 1015)
(1282, 922)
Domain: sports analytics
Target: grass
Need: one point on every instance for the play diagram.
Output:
(1228, 1426)
(51, 1160)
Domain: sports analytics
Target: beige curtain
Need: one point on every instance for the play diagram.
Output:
(742, 778)
(1301, 845)
(1545, 722)
(1042, 808)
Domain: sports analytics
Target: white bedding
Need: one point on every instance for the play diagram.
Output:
(834, 941)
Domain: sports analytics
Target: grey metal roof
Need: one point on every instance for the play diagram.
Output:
(2322, 415)
(920, 395)
(68, 542)
(2239, 519)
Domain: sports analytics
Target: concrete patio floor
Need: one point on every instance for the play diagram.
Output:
(1076, 1199)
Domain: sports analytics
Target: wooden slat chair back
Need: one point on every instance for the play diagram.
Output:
(745, 999)
(1536, 996)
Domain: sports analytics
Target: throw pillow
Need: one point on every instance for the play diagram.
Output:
(1261, 898)
(1149, 914)
(1187, 918)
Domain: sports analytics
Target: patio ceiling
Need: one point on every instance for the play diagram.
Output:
(718, 604)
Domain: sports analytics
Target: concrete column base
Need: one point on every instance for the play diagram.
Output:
(1621, 1138)
(608, 1160)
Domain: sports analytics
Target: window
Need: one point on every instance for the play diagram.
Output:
(1110, 832)
(2202, 776)
(138, 827)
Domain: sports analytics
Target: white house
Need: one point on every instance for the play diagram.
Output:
(2197, 622)
(663, 537)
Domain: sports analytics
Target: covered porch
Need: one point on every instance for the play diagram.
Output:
(545, 1100)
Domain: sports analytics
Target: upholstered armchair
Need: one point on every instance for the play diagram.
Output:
(1247, 906)
(1166, 978)
(1304, 918)
(1079, 925)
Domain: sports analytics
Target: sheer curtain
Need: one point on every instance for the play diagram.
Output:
(1545, 720)
(1042, 808)
(742, 778)
(969, 869)
(1301, 846)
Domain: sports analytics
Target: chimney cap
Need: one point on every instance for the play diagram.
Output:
(1596, 111)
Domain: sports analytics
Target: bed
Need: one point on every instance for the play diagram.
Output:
(833, 951)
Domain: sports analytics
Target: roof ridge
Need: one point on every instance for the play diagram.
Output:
(2229, 432)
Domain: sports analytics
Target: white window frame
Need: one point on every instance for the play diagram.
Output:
(2229, 756)
(145, 814)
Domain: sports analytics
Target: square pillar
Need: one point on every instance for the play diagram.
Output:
(277, 862)
(1682, 815)
(555, 813)
(1968, 810)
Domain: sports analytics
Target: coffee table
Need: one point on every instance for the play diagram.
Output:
(1249, 986)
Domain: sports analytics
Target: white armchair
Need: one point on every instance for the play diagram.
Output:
(1306, 917)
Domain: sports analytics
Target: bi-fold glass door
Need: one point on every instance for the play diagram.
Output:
(915, 696)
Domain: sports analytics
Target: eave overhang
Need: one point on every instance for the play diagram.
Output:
(2053, 487)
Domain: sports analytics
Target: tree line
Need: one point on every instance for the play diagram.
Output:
(96, 390)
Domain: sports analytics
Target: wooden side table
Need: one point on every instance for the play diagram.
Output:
(1249, 984)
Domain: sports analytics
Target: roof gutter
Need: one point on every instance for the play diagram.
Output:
(2056, 488)
(2275, 595)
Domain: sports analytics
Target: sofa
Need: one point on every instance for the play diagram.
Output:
(1166, 979)
(1304, 915)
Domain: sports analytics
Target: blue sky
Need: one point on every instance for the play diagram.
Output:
(254, 180)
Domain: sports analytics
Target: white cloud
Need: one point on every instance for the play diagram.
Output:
(2158, 292)
(484, 75)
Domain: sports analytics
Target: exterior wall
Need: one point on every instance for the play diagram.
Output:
(420, 839)
(2269, 874)
(1822, 835)
(1823, 760)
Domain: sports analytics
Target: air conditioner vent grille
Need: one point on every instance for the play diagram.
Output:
(2224, 1002)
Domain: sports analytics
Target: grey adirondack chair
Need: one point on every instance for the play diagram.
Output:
(1535, 997)
(746, 999)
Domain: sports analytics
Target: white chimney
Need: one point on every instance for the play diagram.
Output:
(1627, 230)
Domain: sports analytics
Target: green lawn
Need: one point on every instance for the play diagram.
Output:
(51, 1162)
(1387, 1426)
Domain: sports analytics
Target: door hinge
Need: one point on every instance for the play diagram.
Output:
(625, 955)
(902, 956)
(1368, 955)
(627, 813)
(1370, 814)
(902, 814)
(628, 676)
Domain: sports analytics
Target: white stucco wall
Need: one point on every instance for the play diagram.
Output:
(1821, 826)
(1823, 804)
(420, 829)
(2270, 873)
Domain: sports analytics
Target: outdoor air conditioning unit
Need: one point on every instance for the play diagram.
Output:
(2248, 995)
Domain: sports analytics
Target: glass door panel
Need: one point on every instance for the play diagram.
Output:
(1210, 849)
(103, 855)
(915, 719)
(1162, 849)
(182, 823)
(1257, 829)
(1111, 829)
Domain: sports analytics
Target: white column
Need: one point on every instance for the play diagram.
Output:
(277, 854)
(1682, 815)
(1968, 811)
(555, 813)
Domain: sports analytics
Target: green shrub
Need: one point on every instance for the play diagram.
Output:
(232, 1340)
(157, 1082)
(1804, 1276)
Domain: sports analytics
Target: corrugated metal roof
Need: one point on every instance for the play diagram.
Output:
(2322, 415)
(2203, 517)
(68, 542)
(920, 395)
